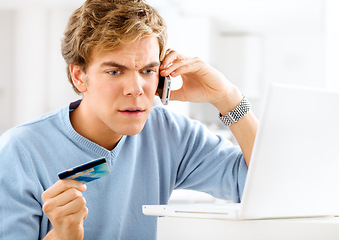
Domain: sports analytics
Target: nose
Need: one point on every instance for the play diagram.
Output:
(134, 85)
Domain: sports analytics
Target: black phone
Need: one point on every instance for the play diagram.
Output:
(164, 89)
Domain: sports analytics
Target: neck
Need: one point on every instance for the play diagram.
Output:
(93, 130)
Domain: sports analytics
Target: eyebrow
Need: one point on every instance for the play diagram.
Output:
(117, 65)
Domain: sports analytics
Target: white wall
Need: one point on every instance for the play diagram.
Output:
(33, 76)
(189, 36)
(332, 43)
(30, 65)
(299, 46)
(253, 42)
(6, 69)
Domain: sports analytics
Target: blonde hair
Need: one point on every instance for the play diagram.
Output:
(106, 24)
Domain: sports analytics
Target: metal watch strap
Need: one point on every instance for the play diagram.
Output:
(236, 114)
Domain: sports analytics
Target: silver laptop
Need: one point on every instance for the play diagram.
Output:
(294, 170)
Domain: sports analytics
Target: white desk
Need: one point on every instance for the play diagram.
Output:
(170, 228)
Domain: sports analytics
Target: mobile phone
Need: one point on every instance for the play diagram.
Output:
(87, 172)
(164, 89)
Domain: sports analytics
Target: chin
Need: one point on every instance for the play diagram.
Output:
(129, 126)
(132, 131)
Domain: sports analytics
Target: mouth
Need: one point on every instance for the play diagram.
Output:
(132, 112)
(132, 109)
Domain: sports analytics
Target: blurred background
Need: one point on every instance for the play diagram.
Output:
(253, 42)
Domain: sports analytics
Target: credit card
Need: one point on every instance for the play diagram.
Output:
(87, 172)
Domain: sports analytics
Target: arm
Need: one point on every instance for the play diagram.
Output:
(245, 129)
(203, 83)
(65, 207)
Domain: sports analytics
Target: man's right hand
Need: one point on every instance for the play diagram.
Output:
(66, 209)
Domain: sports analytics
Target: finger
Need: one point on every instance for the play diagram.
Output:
(73, 207)
(61, 200)
(85, 213)
(171, 56)
(65, 197)
(71, 219)
(181, 66)
(168, 51)
(79, 216)
(61, 186)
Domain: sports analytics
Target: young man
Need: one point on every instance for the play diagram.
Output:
(115, 50)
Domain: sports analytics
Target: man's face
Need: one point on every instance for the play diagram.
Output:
(120, 87)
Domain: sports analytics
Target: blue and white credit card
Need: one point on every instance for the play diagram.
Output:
(87, 172)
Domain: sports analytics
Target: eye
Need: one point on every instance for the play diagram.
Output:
(114, 72)
(148, 71)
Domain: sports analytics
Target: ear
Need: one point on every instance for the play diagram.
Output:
(78, 77)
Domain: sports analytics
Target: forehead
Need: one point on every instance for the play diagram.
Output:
(136, 54)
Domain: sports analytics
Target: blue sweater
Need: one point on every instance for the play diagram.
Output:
(171, 152)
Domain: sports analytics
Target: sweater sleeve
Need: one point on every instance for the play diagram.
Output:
(20, 201)
(206, 162)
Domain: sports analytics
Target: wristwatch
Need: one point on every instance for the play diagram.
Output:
(236, 114)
